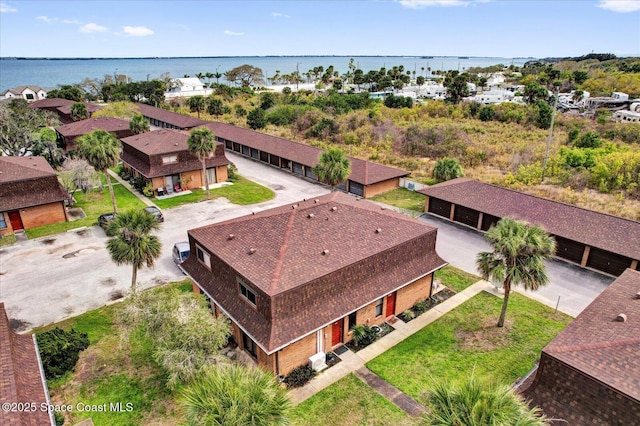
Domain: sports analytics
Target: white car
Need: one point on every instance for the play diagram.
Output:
(180, 252)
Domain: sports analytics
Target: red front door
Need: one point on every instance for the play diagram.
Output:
(336, 333)
(391, 304)
(16, 221)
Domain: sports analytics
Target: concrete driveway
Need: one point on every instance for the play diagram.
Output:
(49, 279)
(571, 288)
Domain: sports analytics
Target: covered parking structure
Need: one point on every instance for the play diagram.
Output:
(594, 240)
(366, 179)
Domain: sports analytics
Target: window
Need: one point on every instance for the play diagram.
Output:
(29, 96)
(169, 159)
(3, 223)
(203, 256)
(352, 320)
(249, 295)
(379, 308)
(249, 345)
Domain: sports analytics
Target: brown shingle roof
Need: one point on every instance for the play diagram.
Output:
(21, 377)
(178, 120)
(308, 289)
(166, 141)
(51, 103)
(601, 347)
(363, 172)
(82, 127)
(91, 108)
(28, 181)
(614, 234)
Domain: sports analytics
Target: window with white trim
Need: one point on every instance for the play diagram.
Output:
(169, 159)
(246, 293)
(203, 256)
(379, 308)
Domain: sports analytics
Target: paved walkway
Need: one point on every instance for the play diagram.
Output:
(354, 361)
(400, 399)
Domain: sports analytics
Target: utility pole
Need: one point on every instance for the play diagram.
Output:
(553, 116)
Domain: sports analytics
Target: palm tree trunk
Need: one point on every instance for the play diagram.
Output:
(113, 195)
(204, 175)
(134, 278)
(505, 301)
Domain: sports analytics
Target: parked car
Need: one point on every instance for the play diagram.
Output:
(105, 219)
(180, 253)
(155, 212)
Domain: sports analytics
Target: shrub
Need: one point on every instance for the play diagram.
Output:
(257, 119)
(59, 350)
(299, 376)
(147, 191)
(447, 169)
(232, 173)
(589, 140)
(363, 335)
(487, 113)
(409, 314)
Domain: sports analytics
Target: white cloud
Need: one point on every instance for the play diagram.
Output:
(5, 8)
(46, 19)
(622, 6)
(420, 4)
(232, 33)
(92, 28)
(280, 15)
(71, 21)
(137, 31)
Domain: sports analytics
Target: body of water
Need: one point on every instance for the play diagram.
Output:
(49, 73)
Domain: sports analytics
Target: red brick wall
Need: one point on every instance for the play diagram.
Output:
(297, 354)
(413, 293)
(32, 217)
(380, 187)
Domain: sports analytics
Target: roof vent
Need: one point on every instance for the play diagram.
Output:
(231, 237)
(311, 215)
(315, 201)
(621, 318)
(334, 208)
(383, 208)
(638, 295)
(325, 252)
(378, 230)
(251, 251)
(293, 207)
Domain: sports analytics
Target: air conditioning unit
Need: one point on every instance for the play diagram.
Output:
(317, 361)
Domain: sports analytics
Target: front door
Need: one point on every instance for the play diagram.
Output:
(391, 304)
(336, 333)
(16, 220)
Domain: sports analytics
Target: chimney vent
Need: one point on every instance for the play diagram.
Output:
(293, 207)
(334, 208)
(325, 252)
(638, 295)
(315, 201)
(378, 230)
(310, 215)
(251, 251)
(621, 318)
(231, 237)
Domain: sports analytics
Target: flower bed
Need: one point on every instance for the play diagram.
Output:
(426, 304)
(363, 335)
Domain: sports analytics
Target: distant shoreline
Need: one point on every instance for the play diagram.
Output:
(25, 58)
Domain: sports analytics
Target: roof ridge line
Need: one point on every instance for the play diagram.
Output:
(596, 345)
(283, 250)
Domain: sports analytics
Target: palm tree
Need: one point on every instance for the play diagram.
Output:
(235, 395)
(101, 150)
(202, 142)
(519, 252)
(196, 103)
(473, 403)
(333, 167)
(447, 169)
(79, 111)
(132, 243)
(139, 124)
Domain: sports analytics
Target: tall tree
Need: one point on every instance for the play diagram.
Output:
(456, 85)
(46, 146)
(215, 107)
(473, 403)
(235, 395)
(139, 124)
(257, 118)
(132, 242)
(102, 150)
(333, 168)
(79, 111)
(245, 75)
(202, 142)
(519, 252)
(196, 103)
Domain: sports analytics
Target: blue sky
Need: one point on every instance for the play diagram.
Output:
(508, 28)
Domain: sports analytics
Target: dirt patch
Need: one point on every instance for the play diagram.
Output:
(48, 241)
(277, 187)
(115, 295)
(19, 325)
(486, 338)
(76, 213)
(109, 282)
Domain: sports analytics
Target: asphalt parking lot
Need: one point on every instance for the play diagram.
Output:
(49, 279)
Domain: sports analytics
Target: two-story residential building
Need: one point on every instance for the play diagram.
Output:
(28, 93)
(70, 132)
(30, 194)
(296, 279)
(163, 157)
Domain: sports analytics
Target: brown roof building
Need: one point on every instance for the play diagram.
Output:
(590, 373)
(62, 107)
(163, 157)
(294, 280)
(21, 379)
(30, 194)
(596, 240)
(162, 118)
(68, 133)
(366, 179)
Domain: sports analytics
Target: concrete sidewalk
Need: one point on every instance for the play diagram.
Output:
(353, 361)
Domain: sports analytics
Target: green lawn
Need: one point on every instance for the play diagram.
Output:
(242, 192)
(467, 339)
(7, 240)
(349, 402)
(456, 279)
(93, 203)
(402, 197)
